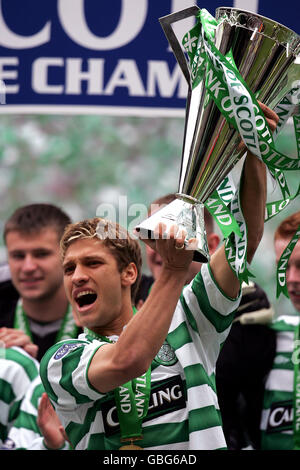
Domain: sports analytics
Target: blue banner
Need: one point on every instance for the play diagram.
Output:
(91, 56)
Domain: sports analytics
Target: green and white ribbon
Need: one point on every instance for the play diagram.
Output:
(282, 265)
(237, 103)
(235, 246)
(239, 106)
(296, 120)
(275, 207)
(226, 189)
(236, 243)
(282, 182)
(222, 215)
(132, 398)
(296, 397)
(285, 109)
(132, 401)
(218, 206)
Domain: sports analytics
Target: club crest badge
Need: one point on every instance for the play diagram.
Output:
(166, 355)
(65, 349)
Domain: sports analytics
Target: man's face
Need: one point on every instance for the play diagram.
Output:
(292, 272)
(154, 260)
(93, 284)
(35, 263)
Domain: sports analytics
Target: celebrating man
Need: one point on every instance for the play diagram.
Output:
(280, 417)
(34, 310)
(145, 379)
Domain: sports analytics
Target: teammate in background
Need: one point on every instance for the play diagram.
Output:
(123, 358)
(280, 416)
(17, 371)
(34, 310)
(37, 426)
(242, 367)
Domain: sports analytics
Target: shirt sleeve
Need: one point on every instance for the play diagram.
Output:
(64, 370)
(39, 444)
(207, 306)
(17, 370)
(25, 429)
(201, 322)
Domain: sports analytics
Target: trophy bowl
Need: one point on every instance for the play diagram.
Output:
(264, 53)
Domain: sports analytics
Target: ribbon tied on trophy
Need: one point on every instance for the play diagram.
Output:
(229, 63)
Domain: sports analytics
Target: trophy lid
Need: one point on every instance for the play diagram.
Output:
(261, 25)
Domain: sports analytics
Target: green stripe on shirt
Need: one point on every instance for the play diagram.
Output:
(220, 322)
(7, 393)
(69, 364)
(27, 363)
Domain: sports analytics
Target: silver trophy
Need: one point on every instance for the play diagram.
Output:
(264, 53)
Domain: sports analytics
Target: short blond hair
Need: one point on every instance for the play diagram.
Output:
(122, 246)
(33, 218)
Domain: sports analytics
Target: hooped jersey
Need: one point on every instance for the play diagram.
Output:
(17, 370)
(25, 433)
(278, 412)
(183, 409)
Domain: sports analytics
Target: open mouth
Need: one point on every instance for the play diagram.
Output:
(295, 295)
(85, 298)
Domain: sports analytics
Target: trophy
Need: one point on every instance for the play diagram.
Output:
(264, 54)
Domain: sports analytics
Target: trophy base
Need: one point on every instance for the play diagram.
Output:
(186, 198)
(188, 216)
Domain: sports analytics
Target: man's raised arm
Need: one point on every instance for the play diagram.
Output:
(253, 202)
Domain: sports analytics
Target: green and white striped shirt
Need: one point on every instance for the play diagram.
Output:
(25, 433)
(277, 414)
(25, 429)
(183, 409)
(17, 371)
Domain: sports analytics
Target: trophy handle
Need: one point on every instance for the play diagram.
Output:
(166, 24)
